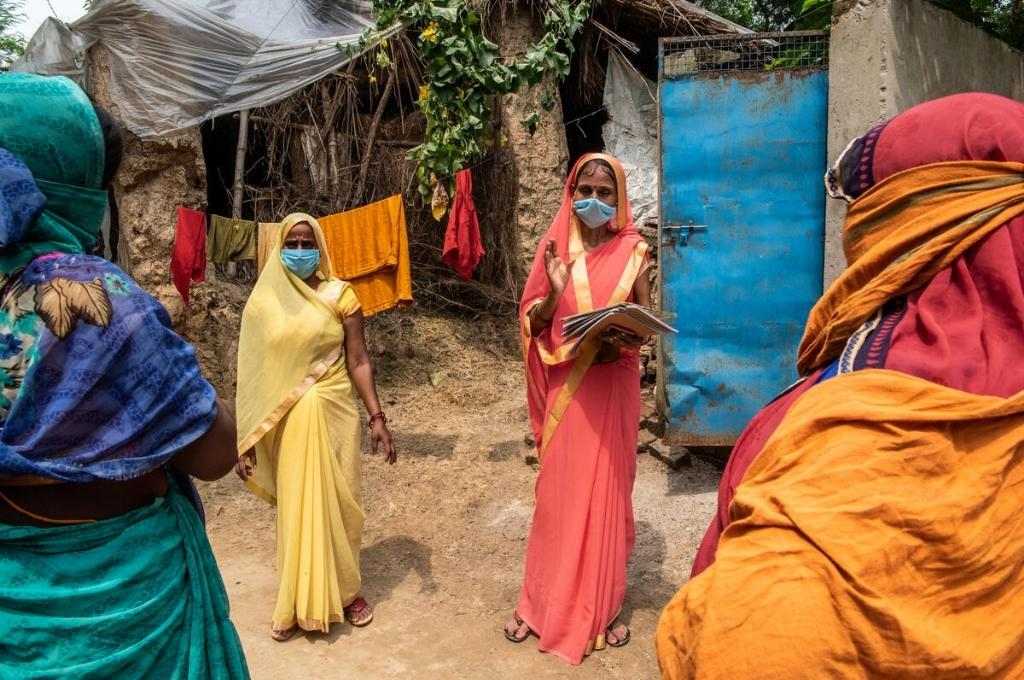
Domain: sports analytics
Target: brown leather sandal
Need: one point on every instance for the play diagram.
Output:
(359, 613)
(284, 635)
(511, 636)
(619, 641)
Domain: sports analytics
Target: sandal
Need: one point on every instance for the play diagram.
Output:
(283, 635)
(619, 641)
(511, 636)
(359, 613)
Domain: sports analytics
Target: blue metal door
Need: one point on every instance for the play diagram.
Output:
(743, 129)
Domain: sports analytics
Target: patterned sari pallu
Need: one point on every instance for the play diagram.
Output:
(96, 386)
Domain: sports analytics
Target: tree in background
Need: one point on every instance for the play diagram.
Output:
(763, 16)
(12, 44)
(1002, 18)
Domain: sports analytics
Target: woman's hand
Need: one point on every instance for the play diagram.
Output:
(382, 442)
(558, 271)
(622, 339)
(246, 465)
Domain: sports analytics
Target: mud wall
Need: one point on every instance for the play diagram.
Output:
(155, 177)
(540, 157)
(887, 56)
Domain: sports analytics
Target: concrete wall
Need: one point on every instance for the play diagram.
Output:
(887, 56)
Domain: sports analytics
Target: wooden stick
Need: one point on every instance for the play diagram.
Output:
(378, 114)
(243, 141)
(271, 121)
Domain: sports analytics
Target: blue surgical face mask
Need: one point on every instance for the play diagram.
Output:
(302, 263)
(593, 212)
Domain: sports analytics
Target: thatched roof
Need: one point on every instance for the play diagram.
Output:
(674, 17)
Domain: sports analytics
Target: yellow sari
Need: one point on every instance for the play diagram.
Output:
(295, 405)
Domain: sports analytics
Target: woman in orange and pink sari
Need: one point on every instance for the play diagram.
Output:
(584, 410)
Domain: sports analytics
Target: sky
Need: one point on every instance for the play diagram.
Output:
(37, 10)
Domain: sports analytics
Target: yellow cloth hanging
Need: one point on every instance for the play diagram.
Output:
(295, 405)
(369, 248)
(439, 202)
(265, 240)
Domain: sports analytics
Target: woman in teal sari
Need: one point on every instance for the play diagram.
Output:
(105, 568)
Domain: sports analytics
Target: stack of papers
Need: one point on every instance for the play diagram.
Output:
(628, 317)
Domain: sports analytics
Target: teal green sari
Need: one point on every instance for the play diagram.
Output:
(136, 596)
(105, 393)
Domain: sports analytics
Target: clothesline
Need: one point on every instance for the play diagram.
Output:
(368, 247)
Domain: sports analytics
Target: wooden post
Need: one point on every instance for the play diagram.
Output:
(243, 141)
(365, 166)
(238, 189)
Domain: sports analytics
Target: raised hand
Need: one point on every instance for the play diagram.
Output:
(557, 270)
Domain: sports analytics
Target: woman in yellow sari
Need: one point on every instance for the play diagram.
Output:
(300, 353)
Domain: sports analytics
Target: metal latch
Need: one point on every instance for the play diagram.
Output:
(688, 229)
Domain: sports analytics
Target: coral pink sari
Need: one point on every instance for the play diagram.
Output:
(584, 417)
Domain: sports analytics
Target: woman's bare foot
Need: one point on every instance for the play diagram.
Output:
(516, 629)
(359, 613)
(284, 635)
(617, 635)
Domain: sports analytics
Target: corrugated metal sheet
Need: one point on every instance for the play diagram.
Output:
(743, 155)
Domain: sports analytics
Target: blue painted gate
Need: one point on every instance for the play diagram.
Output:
(743, 129)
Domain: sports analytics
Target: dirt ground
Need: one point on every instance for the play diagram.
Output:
(446, 528)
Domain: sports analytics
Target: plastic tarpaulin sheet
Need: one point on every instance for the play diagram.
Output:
(176, 63)
(631, 134)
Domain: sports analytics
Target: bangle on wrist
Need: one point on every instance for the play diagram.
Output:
(375, 417)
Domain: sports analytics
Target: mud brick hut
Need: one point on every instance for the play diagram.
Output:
(325, 128)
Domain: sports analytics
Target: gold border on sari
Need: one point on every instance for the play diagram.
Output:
(589, 350)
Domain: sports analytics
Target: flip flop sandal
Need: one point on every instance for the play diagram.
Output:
(352, 612)
(283, 635)
(619, 642)
(512, 637)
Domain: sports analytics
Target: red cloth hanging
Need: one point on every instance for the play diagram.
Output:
(463, 247)
(188, 256)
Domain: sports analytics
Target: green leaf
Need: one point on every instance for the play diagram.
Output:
(464, 74)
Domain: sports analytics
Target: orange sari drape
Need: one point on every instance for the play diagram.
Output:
(878, 534)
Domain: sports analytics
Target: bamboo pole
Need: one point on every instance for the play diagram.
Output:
(243, 141)
(365, 167)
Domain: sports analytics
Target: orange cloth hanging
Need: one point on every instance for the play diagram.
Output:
(370, 249)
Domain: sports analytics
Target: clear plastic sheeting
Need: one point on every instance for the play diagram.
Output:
(631, 134)
(53, 50)
(175, 64)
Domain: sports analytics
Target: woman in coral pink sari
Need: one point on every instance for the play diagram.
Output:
(584, 410)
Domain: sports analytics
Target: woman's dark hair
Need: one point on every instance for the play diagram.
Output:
(590, 168)
(112, 144)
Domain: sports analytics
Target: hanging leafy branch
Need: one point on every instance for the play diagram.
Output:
(464, 71)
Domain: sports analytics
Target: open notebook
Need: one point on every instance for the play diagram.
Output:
(635, 319)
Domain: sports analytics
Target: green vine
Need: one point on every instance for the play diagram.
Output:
(464, 71)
